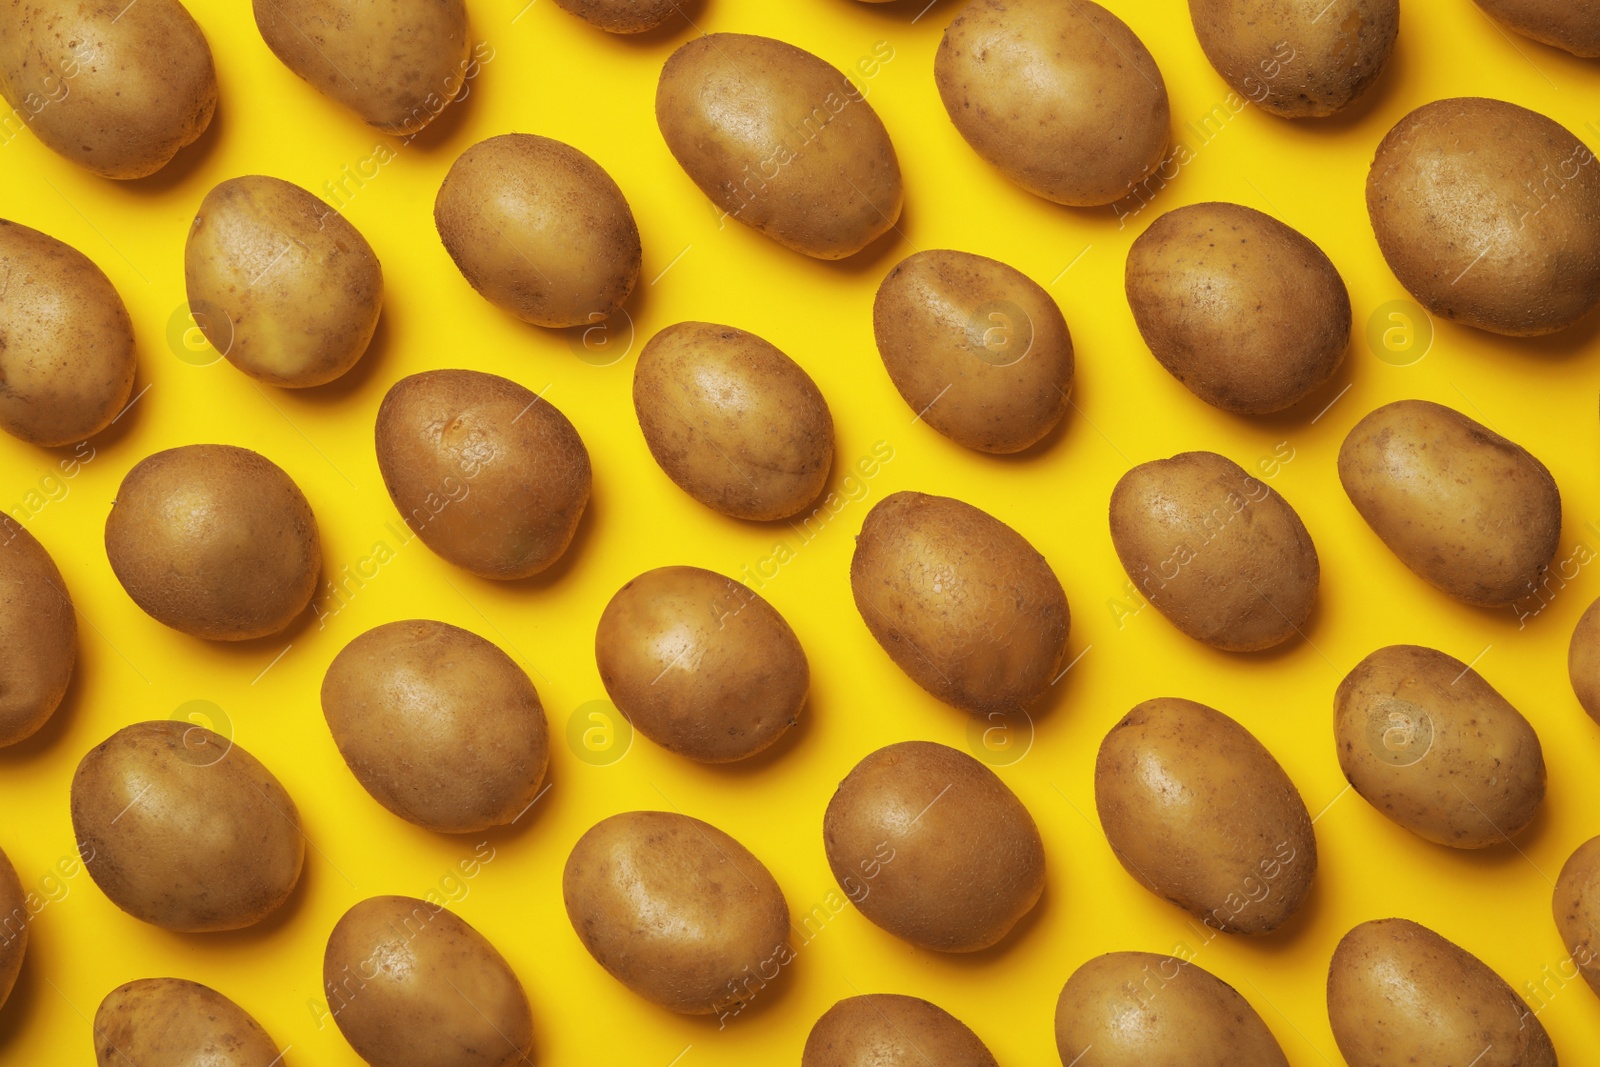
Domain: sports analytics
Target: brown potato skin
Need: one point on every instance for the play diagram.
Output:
(438, 724)
(1573, 25)
(1576, 905)
(1231, 820)
(733, 421)
(1242, 583)
(14, 920)
(440, 994)
(622, 16)
(1583, 661)
(889, 1030)
(212, 842)
(1480, 777)
(1471, 513)
(177, 1023)
(1246, 312)
(491, 477)
(246, 562)
(1398, 993)
(1063, 99)
(700, 664)
(38, 634)
(976, 347)
(1444, 186)
(732, 106)
(958, 878)
(677, 911)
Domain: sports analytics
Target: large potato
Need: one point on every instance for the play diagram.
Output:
(14, 919)
(1576, 905)
(38, 634)
(622, 16)
(1570, 24)
(176, 1023)
(889, 1030)
(1583, 660)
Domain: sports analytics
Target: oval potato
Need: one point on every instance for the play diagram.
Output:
(1576, 904)
(1573, 25)
(38, 634)
(889, 1030)
(14, 917)
(176, 1023)
(1583, 660)
(623, 16)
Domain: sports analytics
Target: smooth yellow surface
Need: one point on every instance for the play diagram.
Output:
(554, 75)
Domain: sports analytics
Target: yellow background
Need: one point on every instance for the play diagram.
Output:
(554, 75)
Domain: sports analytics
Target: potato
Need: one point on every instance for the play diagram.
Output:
(1583, 660)
(439, 725)
(1576, 904)
(1489, 214)
(930, 845)
(960, 601)
(215, 541)
(780, 141)
(1430, 744)
(539, 229)
(1471, 513)
(1217, 551)
(1063, 99)
(623, 16)
(14, 919)
(289, 291)
(1138, 1009)
(38, 634)
(977, 349)
(734, 422)
(66, 341)
(412, 985)
(888, 1030)
(184, 829)
(489, 475)
(1398, 993)
(700, 664)
(677, 911)
(1247, 313)
(1570, 24)
(176, 1023)
(1199, 813)
(115, 87)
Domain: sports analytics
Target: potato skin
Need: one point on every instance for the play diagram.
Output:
(14, 919)
(491, 477)
(677, 911)
(1444, 186)
(38, 634)
(1576, 905)
(1246, 312)
(177, 1023)
(1063, 99)
(975, 347)
(889, 1030)
(1583, 660)
(932, 847)
(438, 724)
(1458, 764)
(1471, 513)
(182, 828)
(622, 16)
(1573, 25)
(732, 106)
(700, 664)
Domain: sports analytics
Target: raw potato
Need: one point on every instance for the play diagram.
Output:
(733, 421)
(14, 918)
(1470, 512)
(286, 288)
(1490, 215)
(932, 847)
(781, 141)
(1218, 552)
(184, 829)
(1570, 24)
(700, 664)
(66, 341)
(176, 1023)
(1199, 813)
(622, 16)
(1430, 744)
(490, 476)
(438, 724)
(677, 911)
(1583, 660)
(1576, 904)
(412, 985)
(215, 541)
(888, 1030)
(1398, 993)
(1063, 99)
(38, 635)
(975, 347)
(1247, 313)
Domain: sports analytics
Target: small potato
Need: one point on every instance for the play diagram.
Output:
(1218, 552)
(1247, 313)
(1573, 25)
(976, 348)
(413, 985)
(539, 229)
(781, 141)
(439, 725)
(1430, 744)
(1471, 513)
(491, 477)
(1063, 99)
(888, 1030)
(66, 341)
(700, 664)
(38, 634)
(14, 918)
(176, 1023)
(1398, 993)
(287, 289)
(932, 847)
(1576, 904)
(1583, 661)
(623, 16)
(677, 911)
(734, 422)
(1199, 813)
(184, 829)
